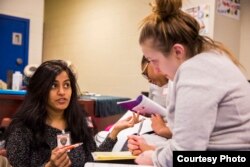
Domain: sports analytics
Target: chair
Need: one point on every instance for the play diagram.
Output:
(4, 162)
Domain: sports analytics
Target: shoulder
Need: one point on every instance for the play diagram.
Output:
(210, 72)
(209, 59)
(20, 132)
(206, 64)
(18, 139)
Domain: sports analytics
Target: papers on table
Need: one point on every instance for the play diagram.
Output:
(107, 156)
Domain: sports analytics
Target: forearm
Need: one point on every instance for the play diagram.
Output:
(165, 132)
(113, 134)
(107, 144)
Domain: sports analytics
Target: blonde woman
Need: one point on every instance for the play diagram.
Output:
(209, 105)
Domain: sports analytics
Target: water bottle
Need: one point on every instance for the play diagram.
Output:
(17, 80)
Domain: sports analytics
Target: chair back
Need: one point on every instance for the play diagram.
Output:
(4, 162)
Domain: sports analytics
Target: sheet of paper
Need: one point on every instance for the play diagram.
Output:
(104, 156)
(98, 164)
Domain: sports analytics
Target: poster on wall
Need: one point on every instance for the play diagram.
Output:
(229, 8)
(16, 38)
(202, 14)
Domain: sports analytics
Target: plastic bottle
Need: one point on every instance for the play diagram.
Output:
(17, 80)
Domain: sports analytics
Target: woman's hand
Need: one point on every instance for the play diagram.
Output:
(145, 158)
(123, 124)
(137, 145)
(159, 126)
(128, 122)
(59, 158)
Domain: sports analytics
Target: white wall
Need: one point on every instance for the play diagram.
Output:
(227, 31)
(33, 10)
(100, 37)
(245, 36)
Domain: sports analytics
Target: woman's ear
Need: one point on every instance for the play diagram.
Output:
(180, 52)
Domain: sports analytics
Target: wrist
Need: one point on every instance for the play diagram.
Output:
(149, 147)
(48, 164)
(113, 134)
(164, 132)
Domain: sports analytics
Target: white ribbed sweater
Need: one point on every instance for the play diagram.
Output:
(209, 108)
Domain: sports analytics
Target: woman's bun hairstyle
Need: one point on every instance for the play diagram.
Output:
(166, 8)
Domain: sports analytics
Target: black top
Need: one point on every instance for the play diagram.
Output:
(21, 153)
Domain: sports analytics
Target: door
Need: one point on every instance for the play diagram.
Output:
(14, 42)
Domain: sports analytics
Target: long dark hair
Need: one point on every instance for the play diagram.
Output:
(32, 113)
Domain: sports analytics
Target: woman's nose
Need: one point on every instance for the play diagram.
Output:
(61, 90)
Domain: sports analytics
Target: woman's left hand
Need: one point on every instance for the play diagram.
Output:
(128, 122)
(159, 126)
(145, 158)
(157, 122)
(123, 124)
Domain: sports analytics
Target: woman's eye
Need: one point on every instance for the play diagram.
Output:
(154, 62)
(53, 86)
(67, 85)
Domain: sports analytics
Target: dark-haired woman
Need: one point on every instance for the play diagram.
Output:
(49, 113)
(209, 106)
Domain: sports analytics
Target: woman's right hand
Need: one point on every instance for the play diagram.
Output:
(137, 145)
(59, 158)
